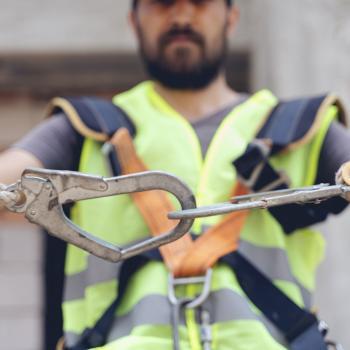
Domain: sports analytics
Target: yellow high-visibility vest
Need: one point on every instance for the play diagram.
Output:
(166, 141)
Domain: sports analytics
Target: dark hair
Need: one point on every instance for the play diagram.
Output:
(134, 3)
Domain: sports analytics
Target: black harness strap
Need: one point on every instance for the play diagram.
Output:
(299, 326)
(288, 124)
(105, 117)
(97, 336)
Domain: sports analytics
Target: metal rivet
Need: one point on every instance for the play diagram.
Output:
(47, 186)
(33, 213)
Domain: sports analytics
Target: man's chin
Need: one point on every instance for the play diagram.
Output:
(181, 65)
(182, 72)
(182, 56)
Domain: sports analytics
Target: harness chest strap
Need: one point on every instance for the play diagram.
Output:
(183, 257)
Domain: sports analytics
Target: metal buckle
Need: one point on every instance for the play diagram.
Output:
(323, 328)
(265, 151)
(45, 191)
(190, 303)
(283, 178)
(106, 149)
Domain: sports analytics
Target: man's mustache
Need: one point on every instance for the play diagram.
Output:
(174, 32)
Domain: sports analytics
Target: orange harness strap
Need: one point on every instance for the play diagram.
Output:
(153, 205)
(221, 239)
(183, 257)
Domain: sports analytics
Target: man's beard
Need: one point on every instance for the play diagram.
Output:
(180, 74)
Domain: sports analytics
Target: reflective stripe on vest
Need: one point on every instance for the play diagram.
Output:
(120, 222)
(224, 306)
(273, 262)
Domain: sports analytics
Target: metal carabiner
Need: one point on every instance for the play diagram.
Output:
(45, 191)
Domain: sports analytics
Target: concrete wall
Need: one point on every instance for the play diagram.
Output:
(303, 47)
(81, 25)
(299, 47)
(20, 292)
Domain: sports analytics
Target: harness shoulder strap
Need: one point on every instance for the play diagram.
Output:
(97, 335)
(293, 123)
(290, 125)
(92, 117)
(301, 328)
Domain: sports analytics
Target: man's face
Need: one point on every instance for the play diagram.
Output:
(183, 42)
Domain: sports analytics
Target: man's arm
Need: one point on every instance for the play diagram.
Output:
(334, 165)
(342, 177)
(13, 162)
(53, 144)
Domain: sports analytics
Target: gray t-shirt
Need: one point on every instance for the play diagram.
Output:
(57, 145)
(54, 142)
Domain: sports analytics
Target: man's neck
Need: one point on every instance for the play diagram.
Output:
(197, 104)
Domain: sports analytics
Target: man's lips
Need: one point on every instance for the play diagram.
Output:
(181, 38)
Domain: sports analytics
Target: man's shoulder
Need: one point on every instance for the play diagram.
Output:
(264, 96)
(295, 122)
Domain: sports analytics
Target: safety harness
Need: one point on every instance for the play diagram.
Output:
(190, 259)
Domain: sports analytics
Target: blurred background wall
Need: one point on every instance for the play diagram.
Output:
(85, 47)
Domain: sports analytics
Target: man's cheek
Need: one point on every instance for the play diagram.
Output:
(149, 46)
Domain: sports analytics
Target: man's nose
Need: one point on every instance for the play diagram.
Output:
(182, 12)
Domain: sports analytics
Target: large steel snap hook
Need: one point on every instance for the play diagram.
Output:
(43, 192)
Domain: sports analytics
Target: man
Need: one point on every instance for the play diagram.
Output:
(188, 111)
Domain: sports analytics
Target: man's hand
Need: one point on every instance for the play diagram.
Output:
(12, 163)
(342, 177)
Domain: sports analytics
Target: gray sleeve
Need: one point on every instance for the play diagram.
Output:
(54, 142)
(335, 151)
